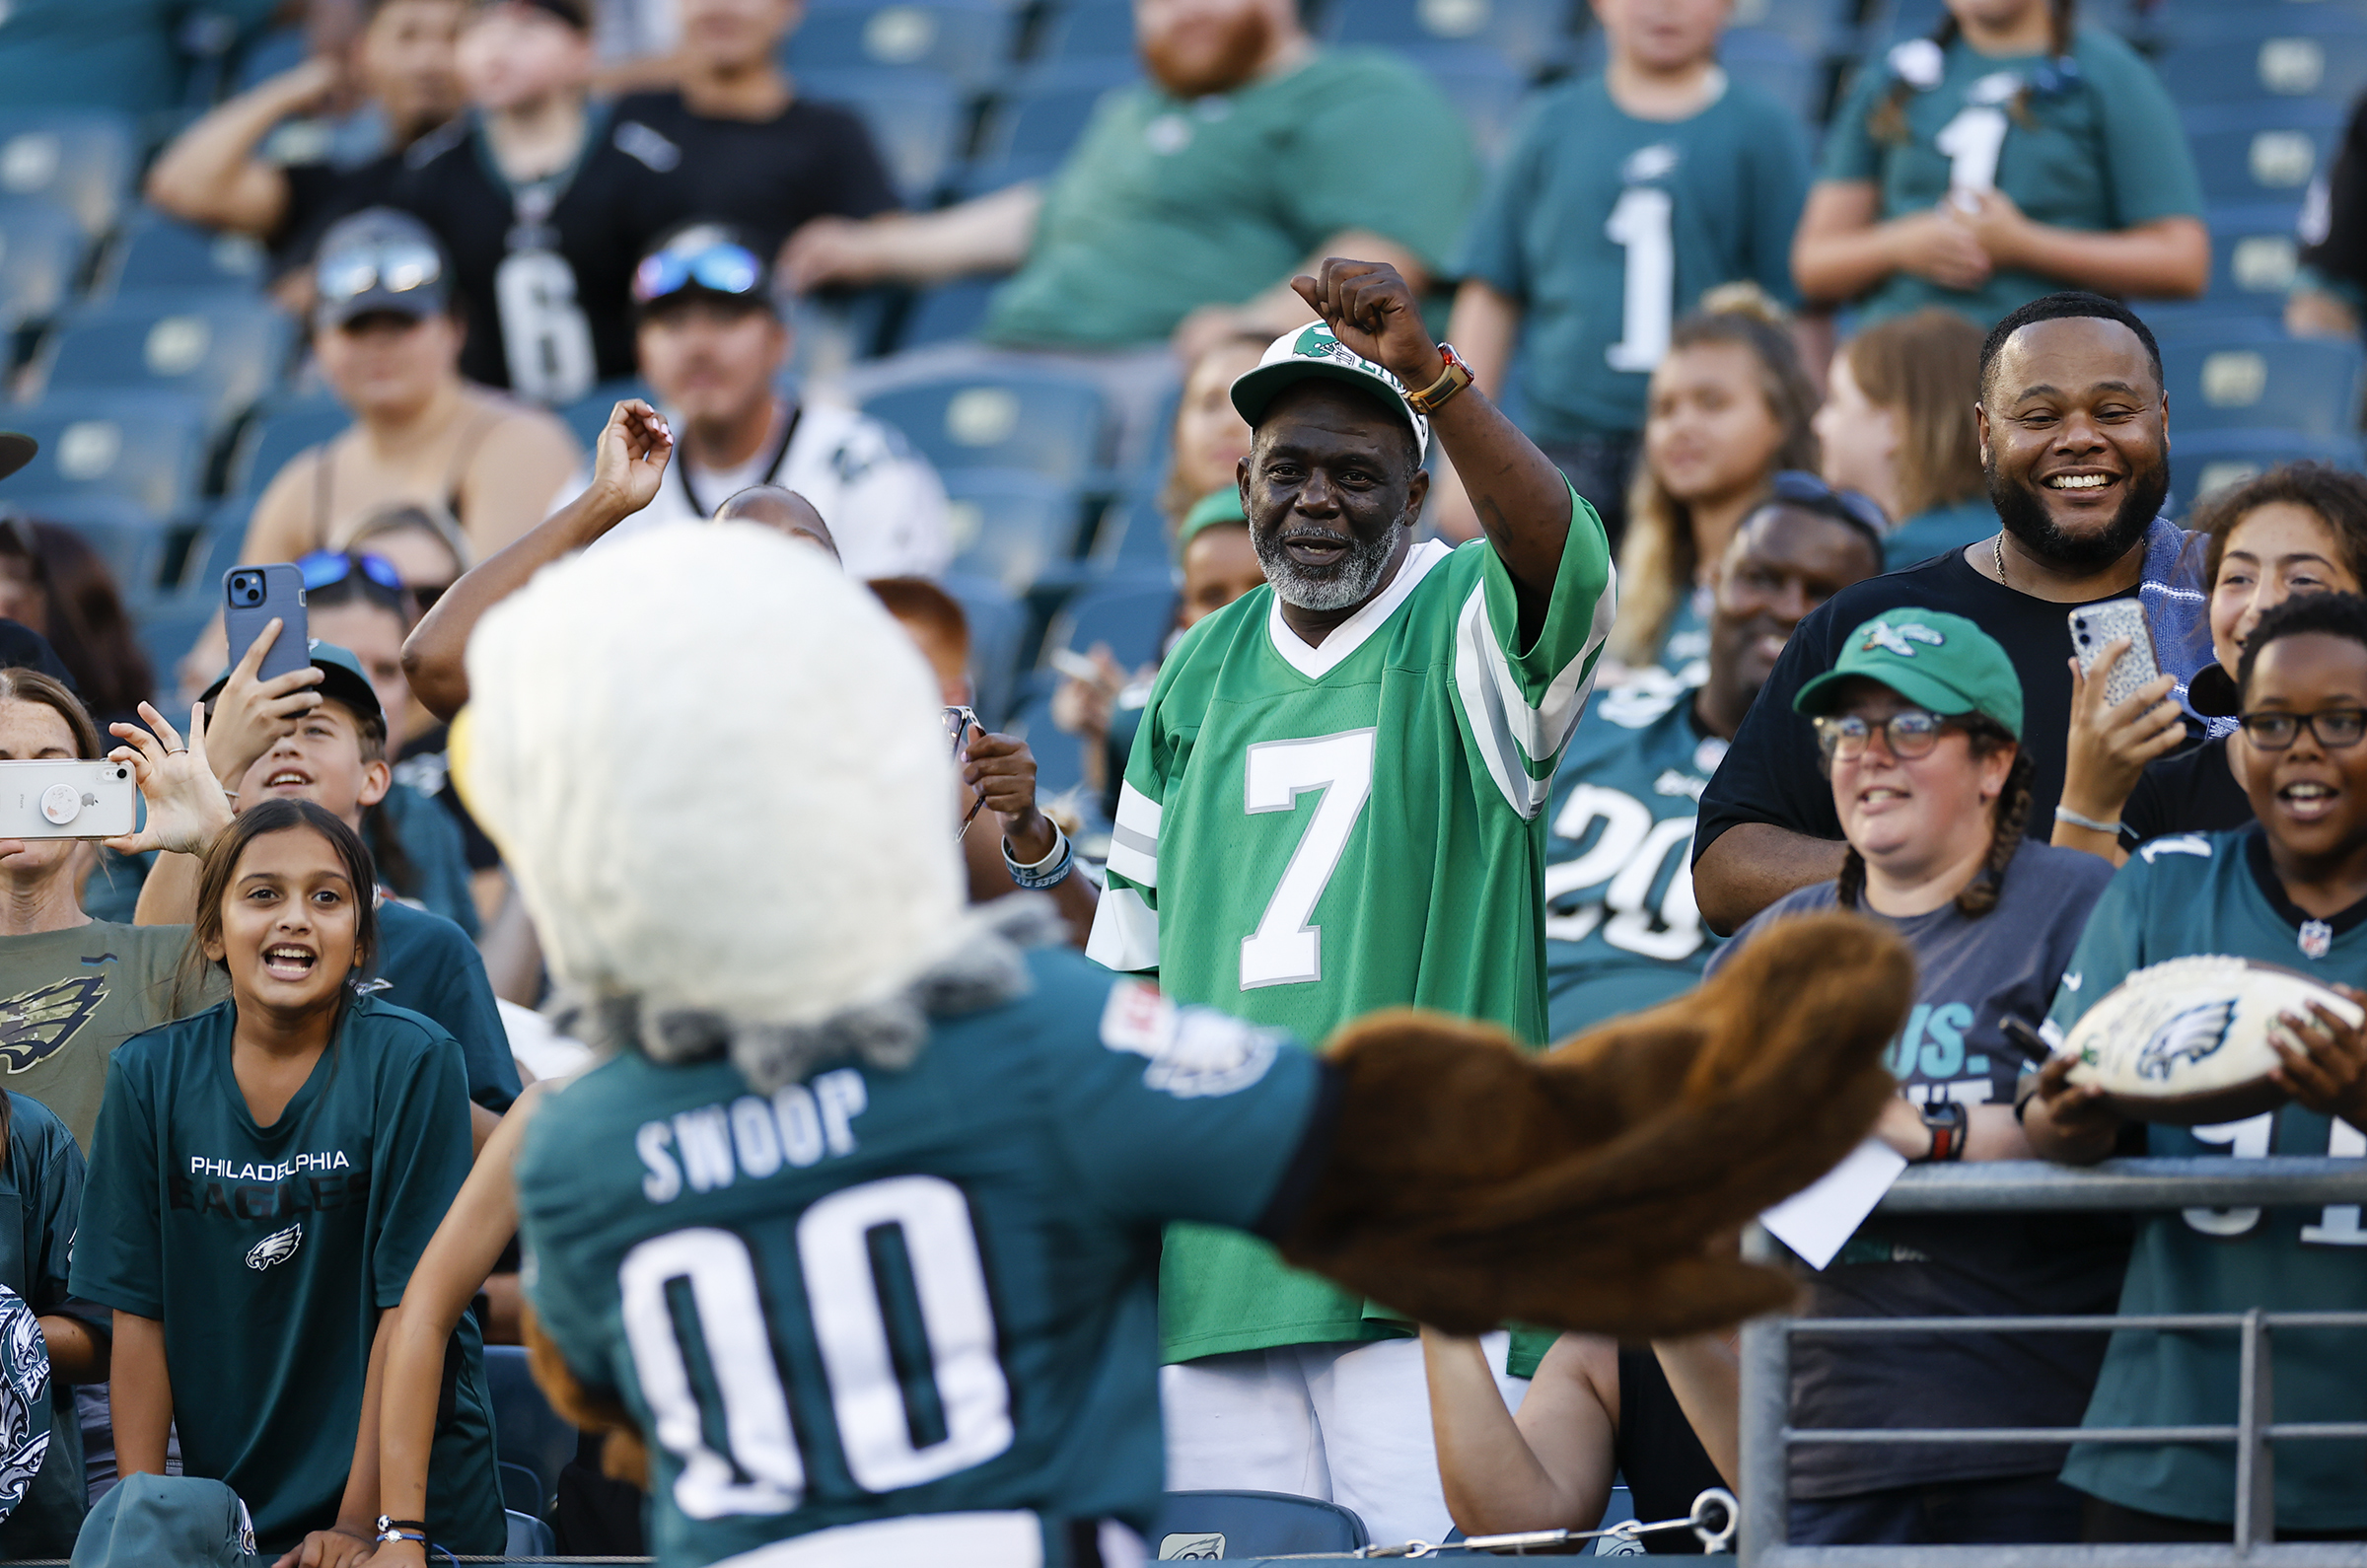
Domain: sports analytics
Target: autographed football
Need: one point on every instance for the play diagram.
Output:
(2188, 1040)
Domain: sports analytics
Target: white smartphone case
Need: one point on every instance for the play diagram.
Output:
(65, 798)
(2094, 626)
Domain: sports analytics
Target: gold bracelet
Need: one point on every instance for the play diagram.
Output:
(1452, 379)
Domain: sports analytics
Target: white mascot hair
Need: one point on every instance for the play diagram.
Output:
(718, 769)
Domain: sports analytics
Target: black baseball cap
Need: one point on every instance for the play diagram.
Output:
(379, 261)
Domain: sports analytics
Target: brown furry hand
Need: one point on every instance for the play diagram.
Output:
(1470, 1183)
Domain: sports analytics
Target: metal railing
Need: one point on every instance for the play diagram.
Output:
(2038, 1186)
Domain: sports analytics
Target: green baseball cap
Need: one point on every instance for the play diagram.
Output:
(342, 679)
(1941, 661)
(1217, 506)
(1311, 350)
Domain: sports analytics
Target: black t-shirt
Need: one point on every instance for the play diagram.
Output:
(2189, 792)
(320, 192)
(1770, 773)
(450, 182)
(1657, 1453)
(2343, 254)
(767, 176)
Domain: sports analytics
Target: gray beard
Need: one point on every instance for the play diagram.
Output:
(1348, 584)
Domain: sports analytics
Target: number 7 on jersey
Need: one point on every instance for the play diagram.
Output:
(1286, 949)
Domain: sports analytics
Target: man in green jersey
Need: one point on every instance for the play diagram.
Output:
(2291, 890)
(1621, 932)
(1335, 804)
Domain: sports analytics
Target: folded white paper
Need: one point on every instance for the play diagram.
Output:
(1816, 1220)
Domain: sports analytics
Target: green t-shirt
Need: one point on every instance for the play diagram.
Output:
(425, 963)
(1937, 531)
(1606, 228)
(888, 1292)
(1167, 205)
(40, 1201)
(68, 998)
(2219, 894)
(437, 853)
(1306, 834)
(1622, 930)
(300, 1233)
(2102, 150)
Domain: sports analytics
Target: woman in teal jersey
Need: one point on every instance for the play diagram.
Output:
(2008, 154)
(2291, 890)
(1897, 426)
(278, 1163)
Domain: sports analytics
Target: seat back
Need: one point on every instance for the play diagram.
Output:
(2261, 154)
(275, 435)
(1013, 529)
(2307, 387)
(946, 313)
(2213, 459)
(529, 1537)
(157, 254)
(42, 246)
(520, 1491)
(2264, 57)
(1251, 1524)
(1055, 427)
(1090, 29)
(1528, 32)
(527, 1431)
(1029, 135)
(129, 539)
(588, 415)
(80, 159)
(147, 447)
(967, 41)
(917, 119)
(223, 353)
(998, 634)
(1130, 615)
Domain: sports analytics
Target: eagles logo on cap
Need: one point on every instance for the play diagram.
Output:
(1314, 351)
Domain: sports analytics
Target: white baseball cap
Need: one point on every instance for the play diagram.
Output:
(1311, 350)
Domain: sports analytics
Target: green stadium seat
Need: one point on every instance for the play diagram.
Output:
(1817, 27)
(147, 447)
(947, 312)
(1055, 427)
(42, 246)
(1251, 1524)
(2303, 387)
(157, 254)
(1485, 87)
(223, 353)
(1060, 756)
(80, 159)
(169, 628)
(967, 41)
(1030, 134)
(918, 118)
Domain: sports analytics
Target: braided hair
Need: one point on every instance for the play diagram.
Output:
(1887, 124)
(2009, 820)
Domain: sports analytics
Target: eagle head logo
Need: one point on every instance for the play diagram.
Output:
(278, 1247)
(2188, 1037)
(1902, 638)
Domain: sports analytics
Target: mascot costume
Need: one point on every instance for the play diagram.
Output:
(852, 1236)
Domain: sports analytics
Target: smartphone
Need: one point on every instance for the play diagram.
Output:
(61, 798)
(253, 597)
(2094, 626)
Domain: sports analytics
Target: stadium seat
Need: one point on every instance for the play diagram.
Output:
(1485, 88)
(1251, 1524)
(169, 628)
(998, 629)
(1132, 536)
(2252, 55)
(1530, 33)
(589, 414)
(1088, 30)
(2261, 154)
(2212, 460)
(1817, 27)
(279, 431)
(1132, 615)
(529, 1535)
(1016, 529)
(917, 117)
(266, 54)
(123, 533)
(1030, 132)
(522, 1491)
(529, 1431)
(947, 312)
(160, 255)
(212, 548)
(2252, 260)
(1060, 757)
(1053, 426)
(222, 353)
(80, 159)
(2306, 387)
(1776, 65)
(147, 447)
(969, 42)
(40, 258)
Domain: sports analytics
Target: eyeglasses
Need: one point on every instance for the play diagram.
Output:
(1910, 733)
(959, 722)
(1799, 488)
(2337, 729)
(721, 269)
(397, 266)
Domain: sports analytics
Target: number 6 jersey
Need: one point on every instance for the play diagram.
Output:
(928, 1292)
(1308, 833)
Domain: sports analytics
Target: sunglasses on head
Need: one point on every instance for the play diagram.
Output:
(397, 266)
(720, 269)
(1799, 488)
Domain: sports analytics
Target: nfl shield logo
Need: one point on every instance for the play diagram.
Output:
(2317, 937)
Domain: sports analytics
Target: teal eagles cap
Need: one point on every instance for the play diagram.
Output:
(1942, 661)
(342, 679)
(185, 1521)
(1311, 350)
(1216, 507)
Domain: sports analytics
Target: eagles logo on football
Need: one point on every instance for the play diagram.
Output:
(2188, 1038)
(34, 1024)
(278, 1247)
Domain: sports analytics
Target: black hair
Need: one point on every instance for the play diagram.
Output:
(2009, 820)
(2330, 614)
(2068, 305)
(1830, 509)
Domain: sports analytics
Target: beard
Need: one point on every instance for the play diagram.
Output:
(1346, 583)
(1215, 66)
(2022, 509)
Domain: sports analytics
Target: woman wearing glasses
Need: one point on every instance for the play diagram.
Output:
(2134, 771)
(1920, 723)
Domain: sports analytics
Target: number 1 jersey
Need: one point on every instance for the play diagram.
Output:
(1306, 834)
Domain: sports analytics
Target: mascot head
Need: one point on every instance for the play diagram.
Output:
(720, 774)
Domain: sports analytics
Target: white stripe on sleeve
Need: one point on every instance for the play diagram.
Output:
(1511, 733)
(1134, 837)
(1125, 932)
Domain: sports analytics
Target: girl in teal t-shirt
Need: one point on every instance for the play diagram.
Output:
(2007, 156)
(263, 1179)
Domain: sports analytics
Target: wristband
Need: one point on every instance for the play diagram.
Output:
(1946, 1122)
(1050, 871)
(2064, 814)
(1454, 378)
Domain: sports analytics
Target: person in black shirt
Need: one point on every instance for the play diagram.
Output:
(526, 194)
(218, 174)
(737, 144)
(2074, 443)
(2298, 529)
(2328, 294)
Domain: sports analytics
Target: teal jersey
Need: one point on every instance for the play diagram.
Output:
(2217, 894)
(1605, 229)
(435, 853)
(2099, 147)
(1622, 930)
(1306, 834)
(879, 1294)
(1937, 531)
(300, 1233)
(428, 965)
(40, 1203)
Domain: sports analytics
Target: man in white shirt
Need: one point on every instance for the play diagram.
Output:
(712, 344)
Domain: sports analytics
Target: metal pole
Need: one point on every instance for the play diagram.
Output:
(2205, 1181)
(2255, 1462)
(1765, 1410)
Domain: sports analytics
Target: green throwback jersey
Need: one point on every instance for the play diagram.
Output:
(2097, 147)
(298, 1233)
(1604, 228)
(2191, 894)
(1622, 930)
(929, 1291)
(1308, 833)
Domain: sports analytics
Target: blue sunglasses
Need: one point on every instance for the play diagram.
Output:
(719, 268)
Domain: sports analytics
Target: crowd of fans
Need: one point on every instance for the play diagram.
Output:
(1735, 589)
